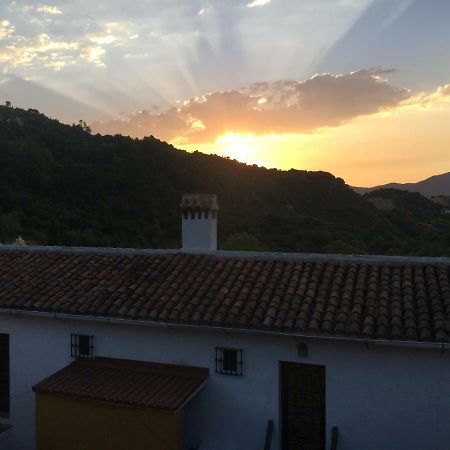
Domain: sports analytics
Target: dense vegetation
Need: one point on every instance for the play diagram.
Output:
(61, 185)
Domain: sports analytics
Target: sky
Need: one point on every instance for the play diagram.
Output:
(359, 88)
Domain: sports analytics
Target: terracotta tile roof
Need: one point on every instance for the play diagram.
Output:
(397, 299)
(144, 384)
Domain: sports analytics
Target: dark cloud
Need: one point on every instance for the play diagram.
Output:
(324, 100)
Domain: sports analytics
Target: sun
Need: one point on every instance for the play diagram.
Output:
(238, 146)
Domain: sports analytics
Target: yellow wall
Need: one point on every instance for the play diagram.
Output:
(64, 423)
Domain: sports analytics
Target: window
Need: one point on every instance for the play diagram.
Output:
(81, 346)
(4, 375)
(229, 361)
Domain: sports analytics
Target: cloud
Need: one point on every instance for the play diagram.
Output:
(108, 35)
(40, 8)
(6, 29)
(93, 54)
(55, 53)
(21, 50)
(254, 3)
(36, 10)
(262, 108)
(443, 91)
(24, 51)
(437, 100)
(47, 9)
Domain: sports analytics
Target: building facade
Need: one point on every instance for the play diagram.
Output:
(106, 342)
(380, 396)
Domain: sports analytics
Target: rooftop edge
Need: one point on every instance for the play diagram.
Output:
(284, 256)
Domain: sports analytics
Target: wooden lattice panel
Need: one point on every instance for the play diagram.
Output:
(303, 406)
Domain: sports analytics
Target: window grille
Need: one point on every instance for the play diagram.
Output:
(81, 346)
(229, 361)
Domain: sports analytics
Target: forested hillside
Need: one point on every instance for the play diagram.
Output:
(61, 185)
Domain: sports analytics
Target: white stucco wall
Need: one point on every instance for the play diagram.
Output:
(381, 398)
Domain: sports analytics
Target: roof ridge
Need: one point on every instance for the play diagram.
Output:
(283, 256)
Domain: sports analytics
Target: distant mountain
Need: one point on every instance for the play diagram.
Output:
(61, 185)
(437, 185)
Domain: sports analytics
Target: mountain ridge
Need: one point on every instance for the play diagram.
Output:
(61, 185)
(436, 185)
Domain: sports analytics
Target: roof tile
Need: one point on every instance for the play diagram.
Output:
(134, 383)
(375, 299)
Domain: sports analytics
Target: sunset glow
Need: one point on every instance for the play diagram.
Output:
(330, 93)
(243, 148)
(374, 149)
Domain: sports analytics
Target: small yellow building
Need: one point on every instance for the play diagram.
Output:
(113, 404)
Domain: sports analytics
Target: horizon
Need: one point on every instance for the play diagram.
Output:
(329, 93)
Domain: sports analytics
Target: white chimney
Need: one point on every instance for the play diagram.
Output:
(199, 222)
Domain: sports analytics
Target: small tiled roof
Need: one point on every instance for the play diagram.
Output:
(136, 383)
(365, 297)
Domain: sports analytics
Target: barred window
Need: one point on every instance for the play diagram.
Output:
(81, 346)
(229, 361)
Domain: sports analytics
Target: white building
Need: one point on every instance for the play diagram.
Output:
(310, 342)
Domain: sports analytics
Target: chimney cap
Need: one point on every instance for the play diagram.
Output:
(199, 201)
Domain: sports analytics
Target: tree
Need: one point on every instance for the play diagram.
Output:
(84, 126)
(242, 241)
